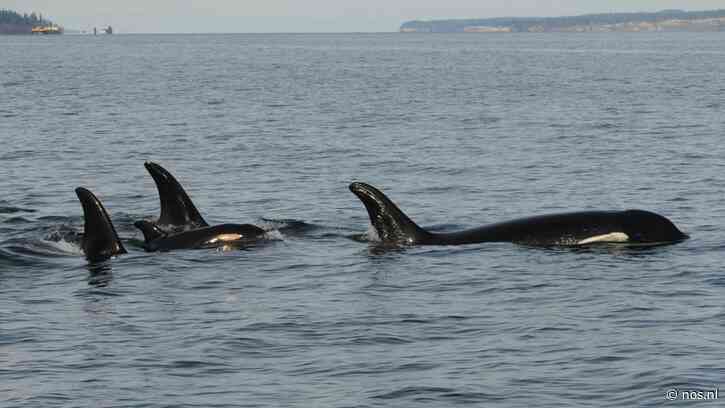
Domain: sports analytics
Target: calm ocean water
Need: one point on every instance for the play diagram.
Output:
(460, 130)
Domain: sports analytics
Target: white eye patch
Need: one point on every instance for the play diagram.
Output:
(611, 237)
(225, 238)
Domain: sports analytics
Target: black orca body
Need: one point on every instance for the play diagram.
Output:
(577, 228)
(178, 212)
(100, 240)
(181, 226)
(234, 235)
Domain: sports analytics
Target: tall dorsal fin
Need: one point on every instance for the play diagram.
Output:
(100, 240)
(177, 209)
(391, 224)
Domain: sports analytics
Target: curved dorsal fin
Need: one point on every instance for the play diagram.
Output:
(177, 209)
(100, 240)
(391, 224)
(151, 231)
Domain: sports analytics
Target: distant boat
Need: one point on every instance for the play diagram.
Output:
(50, 29)
(107, 30)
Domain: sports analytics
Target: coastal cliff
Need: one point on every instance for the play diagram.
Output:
(666, 20)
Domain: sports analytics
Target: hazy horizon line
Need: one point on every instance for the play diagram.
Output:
(258, 25)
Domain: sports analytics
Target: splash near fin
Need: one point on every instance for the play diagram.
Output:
(177, 209)
(100, 240)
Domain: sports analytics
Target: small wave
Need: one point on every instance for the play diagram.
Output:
(49, 241)
(65, 247)
(286, 225)
(59, 219)
(43, 248)
(17, 220)
(382, 339)
(605, 125)
(274, 235)
(62, 233)
(355, 237)
(193, 364)
(270, 224)
(423, 393)
(248, 343)
(13, 210)
(11, 259)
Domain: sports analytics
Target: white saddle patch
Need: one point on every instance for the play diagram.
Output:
(611, 237)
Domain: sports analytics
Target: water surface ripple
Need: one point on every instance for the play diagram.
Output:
(460, 130)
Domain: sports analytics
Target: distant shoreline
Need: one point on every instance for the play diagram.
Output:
(666, 20)
(77, 33)
(14, 23)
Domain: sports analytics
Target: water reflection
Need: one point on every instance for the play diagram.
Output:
(100, 274)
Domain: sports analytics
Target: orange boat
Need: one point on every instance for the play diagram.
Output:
(51, 29)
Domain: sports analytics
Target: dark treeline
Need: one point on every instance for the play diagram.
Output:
(16, 23)
(523, 23)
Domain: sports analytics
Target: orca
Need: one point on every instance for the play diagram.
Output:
(178, 212)
(567, 229)
(181, 226)
(100, 241)
(223, 235)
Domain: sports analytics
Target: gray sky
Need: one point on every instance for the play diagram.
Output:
(132, 16)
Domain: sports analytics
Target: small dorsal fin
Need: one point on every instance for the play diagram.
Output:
(151, 231)
(100, 240)
(177, 209)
